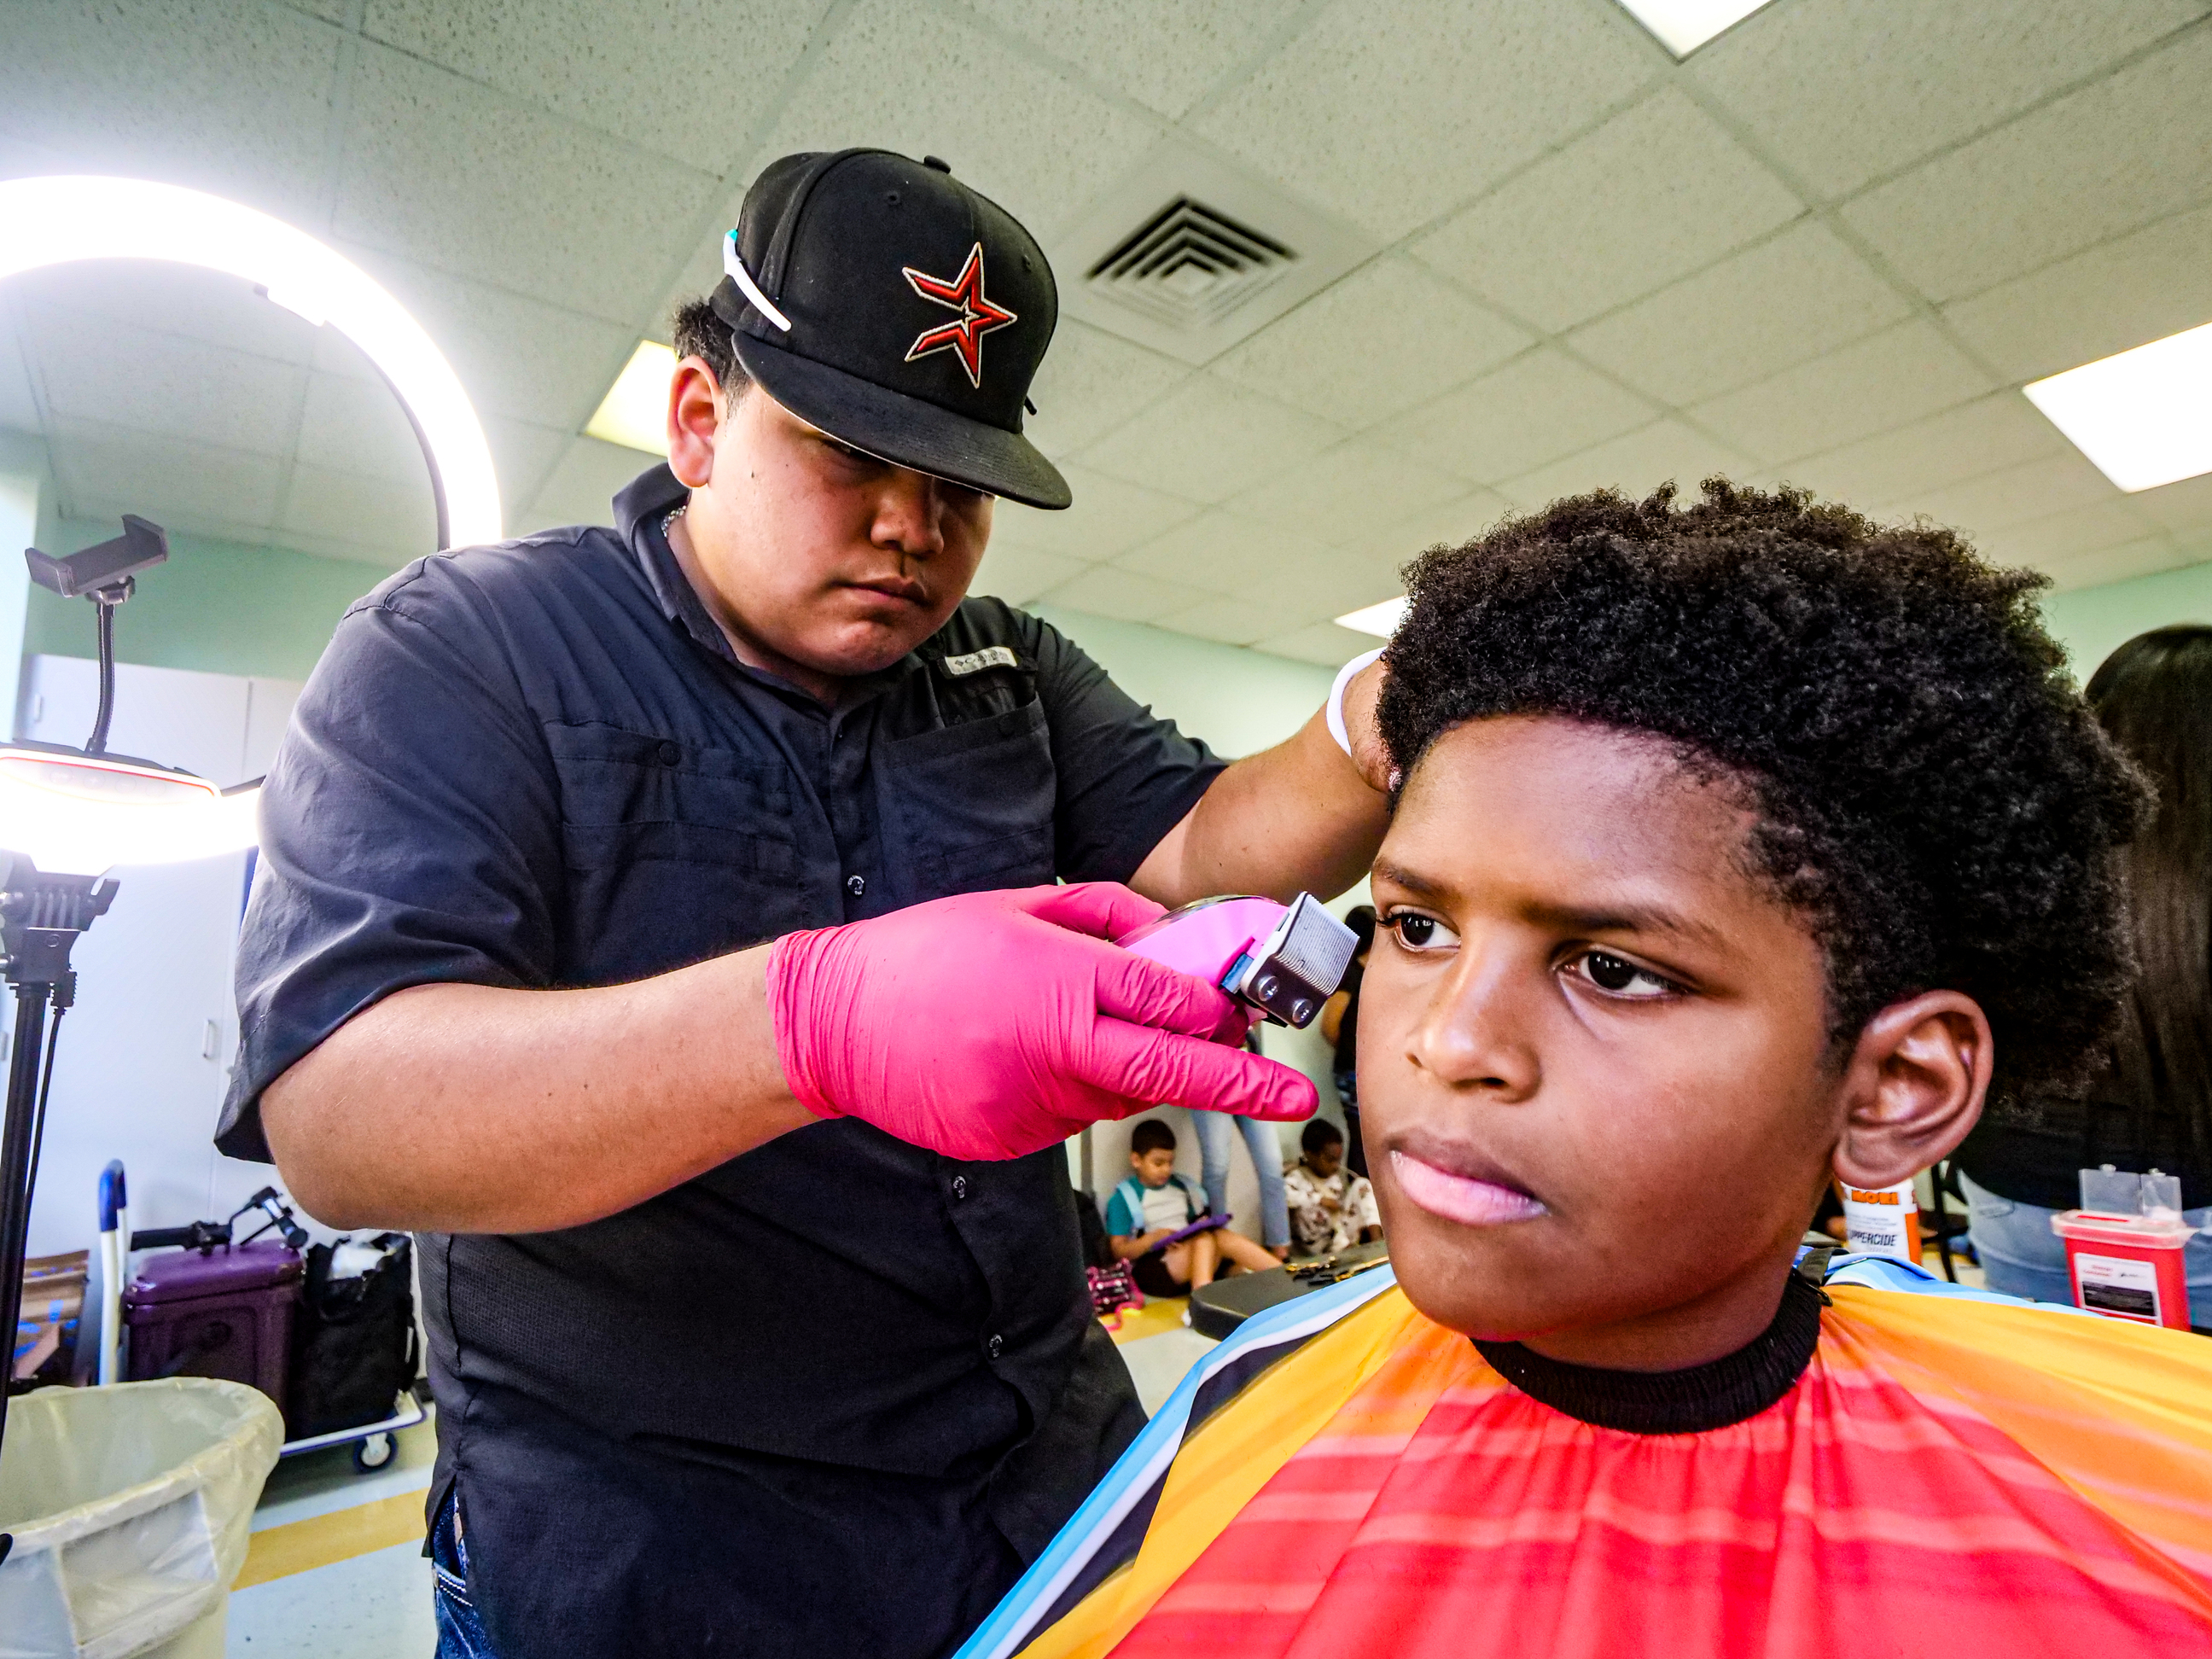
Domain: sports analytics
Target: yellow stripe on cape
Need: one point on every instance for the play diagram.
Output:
(2120, 1412)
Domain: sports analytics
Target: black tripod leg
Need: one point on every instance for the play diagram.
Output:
(14, 1175)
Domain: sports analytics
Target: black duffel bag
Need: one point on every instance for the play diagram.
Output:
(353, 1345)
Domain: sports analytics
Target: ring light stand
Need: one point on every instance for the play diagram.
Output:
(55, 221)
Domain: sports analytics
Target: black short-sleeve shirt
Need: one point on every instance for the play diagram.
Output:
(830, 1396)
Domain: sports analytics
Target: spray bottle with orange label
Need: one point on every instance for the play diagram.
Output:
(1882, 1220)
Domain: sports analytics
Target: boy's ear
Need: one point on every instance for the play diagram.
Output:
(1912, 1087)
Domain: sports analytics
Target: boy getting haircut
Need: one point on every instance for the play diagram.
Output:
(1735, 849)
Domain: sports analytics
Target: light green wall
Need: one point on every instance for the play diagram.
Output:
(2091, 622)
(1238, 701)
(217, 606)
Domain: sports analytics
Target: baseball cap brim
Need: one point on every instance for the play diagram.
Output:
(905, 430)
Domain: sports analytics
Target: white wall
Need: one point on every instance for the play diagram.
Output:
(143, 1059)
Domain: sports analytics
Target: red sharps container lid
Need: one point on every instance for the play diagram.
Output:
(180, 1275)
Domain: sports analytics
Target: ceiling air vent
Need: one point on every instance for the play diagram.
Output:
(1190, 266)
(1228, 254)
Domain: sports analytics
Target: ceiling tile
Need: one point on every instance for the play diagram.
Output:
(1227, 554)
(1655, 193)
(614, 69)
(1897, 376)
(580, 490)
(1345, 493)
(2112, 564)
(1090, 383)
(1393, 111)
(2011, 495)
(357, 426)
(1381, 340)
(174, 386)
(1239, 621)
(1018, 575)
(1779, 303)
(1997, 431)
(1164, 53)
(2183, 508)
(440, 170)
(515, 355)
(2127, 149)
(226, 95)
(918, 82)
(194, 485)
(1541, 405)
(2124, 294)
(19, 409)
(1449, 526)
(1327, 644)
(1123, 595)
(161, 297)
(1109, 517)
(1207, 441)
(2065, 535)
(523, 455)
(398, 519)
(1636, 464)
(1844, 93)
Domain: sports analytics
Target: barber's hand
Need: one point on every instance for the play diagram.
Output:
(990, 1025)
(1369, 752)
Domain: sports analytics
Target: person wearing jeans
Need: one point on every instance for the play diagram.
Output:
(2021, 1256)
(1214, 1131)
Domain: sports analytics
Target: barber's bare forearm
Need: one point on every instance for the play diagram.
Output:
(1298, 816)
(471, 1108)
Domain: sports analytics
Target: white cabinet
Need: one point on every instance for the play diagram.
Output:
(144, 1057)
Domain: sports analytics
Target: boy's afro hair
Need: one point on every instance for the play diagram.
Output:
(1932, 792)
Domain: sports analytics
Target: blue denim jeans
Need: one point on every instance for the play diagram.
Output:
(460, 1627)
(1214, 1133)
(2021, 1256)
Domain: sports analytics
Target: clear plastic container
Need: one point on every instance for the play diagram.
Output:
(131, 1507)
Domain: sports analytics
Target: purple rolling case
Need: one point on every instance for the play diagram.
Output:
(227, 1314)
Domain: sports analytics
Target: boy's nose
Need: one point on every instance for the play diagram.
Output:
(1472, 1037)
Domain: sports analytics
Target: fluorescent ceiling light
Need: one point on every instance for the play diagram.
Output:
(1380, 620)
(1683, 26)
(54, 221)
(2144, 418)
(84, 814)
(634, 411)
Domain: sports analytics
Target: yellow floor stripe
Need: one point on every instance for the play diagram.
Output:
(1159, 1314)
(299, 1546)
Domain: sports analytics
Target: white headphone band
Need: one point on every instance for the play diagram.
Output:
(735, 268)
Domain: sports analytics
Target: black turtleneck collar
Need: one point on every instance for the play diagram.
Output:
(1710, 1397)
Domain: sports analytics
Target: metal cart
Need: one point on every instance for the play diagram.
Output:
(373, 1445)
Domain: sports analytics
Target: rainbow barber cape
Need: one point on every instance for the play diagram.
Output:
(1953, 1473)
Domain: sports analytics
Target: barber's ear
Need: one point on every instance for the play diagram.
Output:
(695, 416)
(1913, 1087)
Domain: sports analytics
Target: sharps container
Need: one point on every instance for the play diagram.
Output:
(2123, 1246)
(1882, 1220)
(228, 1313)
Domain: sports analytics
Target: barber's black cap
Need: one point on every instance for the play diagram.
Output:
(918, 312)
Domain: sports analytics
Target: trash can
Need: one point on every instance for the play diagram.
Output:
(130, 1507)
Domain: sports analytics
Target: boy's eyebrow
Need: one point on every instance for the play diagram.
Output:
(1625, 918)
(1643, 917)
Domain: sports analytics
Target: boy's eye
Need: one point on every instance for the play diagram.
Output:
(1418, 932)
(1618, 976)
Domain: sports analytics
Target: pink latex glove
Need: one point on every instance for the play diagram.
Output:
(988, 1025)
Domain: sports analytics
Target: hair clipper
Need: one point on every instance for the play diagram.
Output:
(1281, 961)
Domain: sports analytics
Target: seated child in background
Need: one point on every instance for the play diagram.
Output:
(1154, 1204)
(1734, 846)
(1331, 1208)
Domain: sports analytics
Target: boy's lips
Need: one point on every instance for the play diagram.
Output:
(1461, 1194)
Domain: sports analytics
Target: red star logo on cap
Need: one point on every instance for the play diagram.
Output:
(978, 316)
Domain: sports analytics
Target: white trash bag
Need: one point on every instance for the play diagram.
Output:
(131, 1507)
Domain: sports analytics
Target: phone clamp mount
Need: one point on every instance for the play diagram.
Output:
(108, 574)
